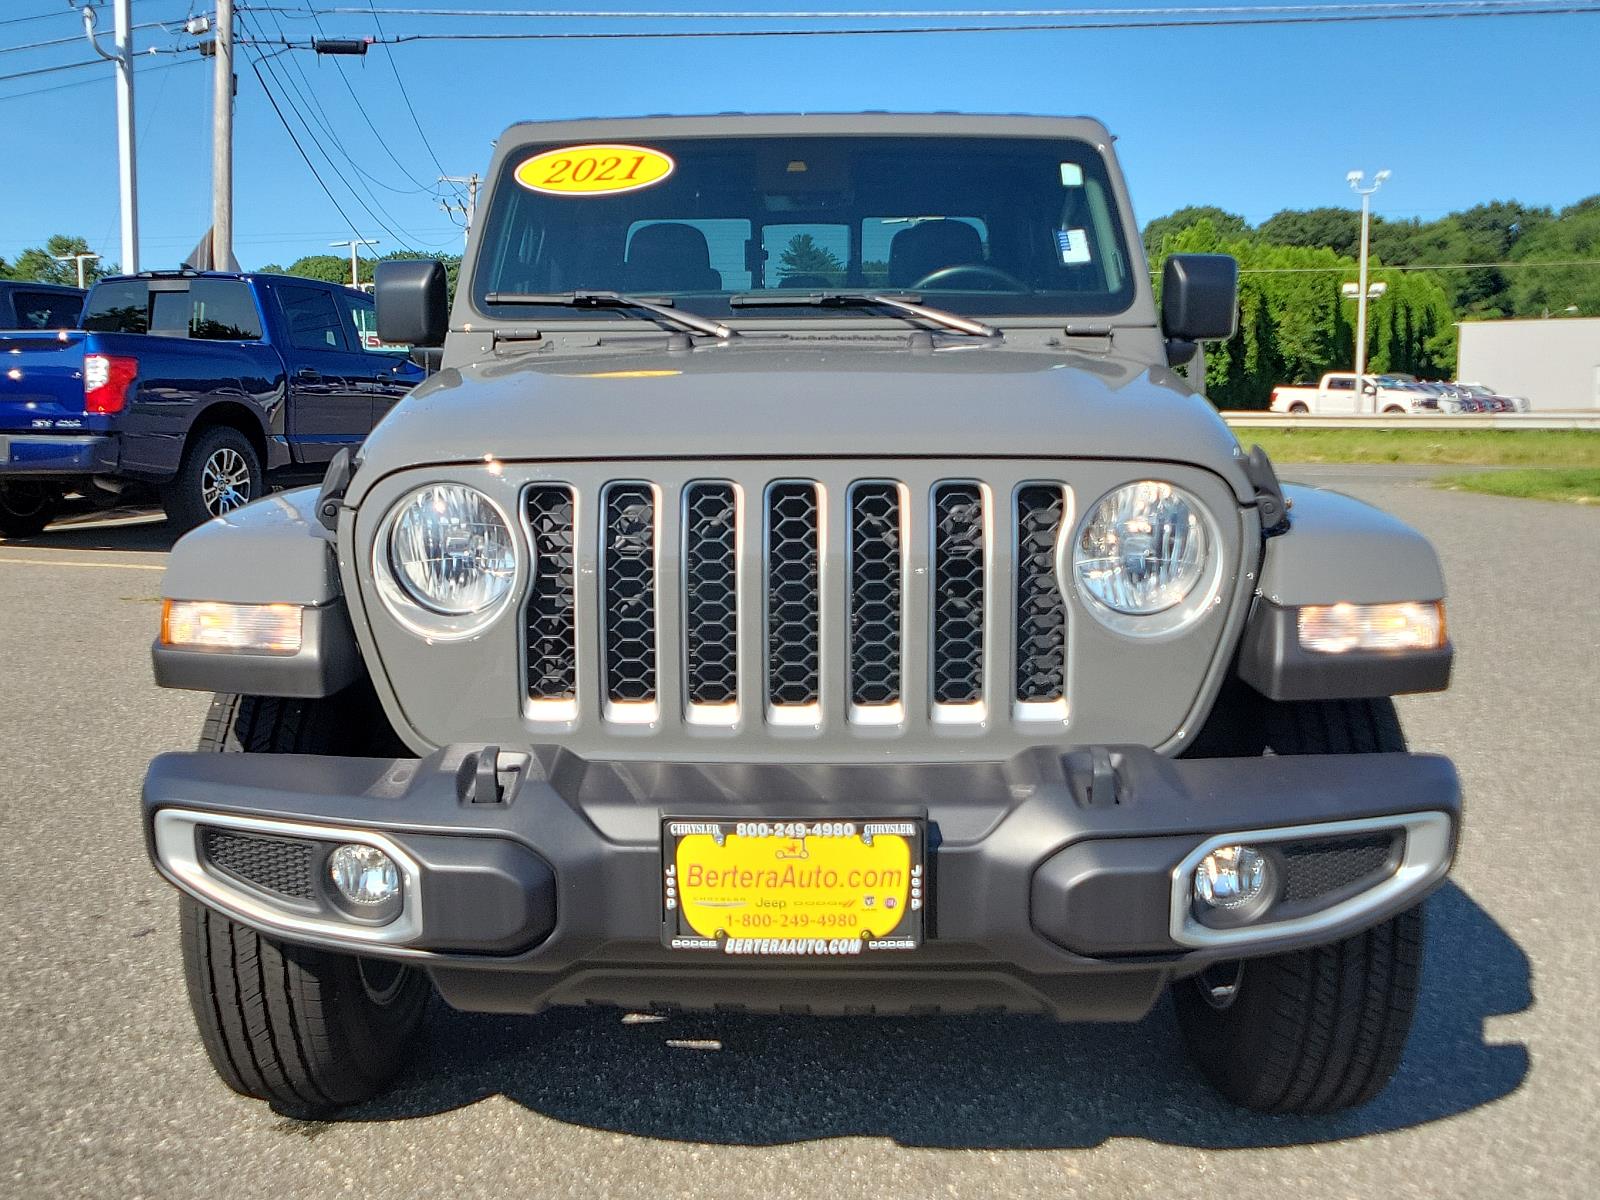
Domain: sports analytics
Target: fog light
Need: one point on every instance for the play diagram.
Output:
(1231, 878)
(364, 874)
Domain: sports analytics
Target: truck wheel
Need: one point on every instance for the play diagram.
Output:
(309, 1031)
(26, 508)
(220, 472)
(1321, 1029)
(1299, 407)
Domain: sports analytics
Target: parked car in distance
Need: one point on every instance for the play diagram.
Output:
(28, 305)
(198, 387)
(1336, 395)
(1493, 400)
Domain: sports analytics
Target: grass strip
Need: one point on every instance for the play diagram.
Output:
(1575, 485)
(1466, 447)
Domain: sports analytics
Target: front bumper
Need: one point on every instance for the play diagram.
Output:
(1058, 882)
(64, 456)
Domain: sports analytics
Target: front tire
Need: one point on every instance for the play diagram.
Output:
(220, 472)
(1321, 1029)
(310, 1031)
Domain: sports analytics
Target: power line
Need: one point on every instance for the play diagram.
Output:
(256, 68)
(406, 96)
(1571, 8)
(327, 123)
(404, 241)
(923, 14)
(57, 87)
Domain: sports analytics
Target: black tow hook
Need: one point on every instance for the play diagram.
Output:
(478, 777)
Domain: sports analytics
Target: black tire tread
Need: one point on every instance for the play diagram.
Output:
(289, 1024)
(1321, 1029)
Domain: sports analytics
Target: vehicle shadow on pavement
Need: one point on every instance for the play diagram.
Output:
(958, 1082)
(133, 530)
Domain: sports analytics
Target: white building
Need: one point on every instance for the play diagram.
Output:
(1553, 361)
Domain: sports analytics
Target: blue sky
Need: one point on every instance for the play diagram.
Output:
(1254, 120)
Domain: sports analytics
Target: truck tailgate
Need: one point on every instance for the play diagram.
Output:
(41, 382)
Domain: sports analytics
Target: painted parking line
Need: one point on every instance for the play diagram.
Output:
(75, 562)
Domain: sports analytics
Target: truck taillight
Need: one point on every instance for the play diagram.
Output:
(106, 378)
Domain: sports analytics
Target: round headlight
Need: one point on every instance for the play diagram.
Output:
(450, 550)
(1143, 548)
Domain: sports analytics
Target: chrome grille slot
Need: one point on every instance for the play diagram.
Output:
(959, 586)
(793, 596)
(1041, 618)
(711, 595)
(552, 632)
(877, 551)
(628, 594)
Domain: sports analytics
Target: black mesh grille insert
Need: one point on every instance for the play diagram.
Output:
(710, 552)
(793, 593)
(273, 864)
(552, 648)
(629, 566)
(958, 549)
(1315, 868)
(1041, 614)
(875, 593)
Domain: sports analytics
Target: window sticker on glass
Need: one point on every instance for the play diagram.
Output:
(594, 170)
(1071, 175)
(1074, 244)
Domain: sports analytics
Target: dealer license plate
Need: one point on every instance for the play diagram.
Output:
(806, 888)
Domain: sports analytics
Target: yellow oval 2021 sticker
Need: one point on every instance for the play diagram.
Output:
(596, 170)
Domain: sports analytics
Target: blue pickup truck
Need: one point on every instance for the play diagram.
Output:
(199, 387)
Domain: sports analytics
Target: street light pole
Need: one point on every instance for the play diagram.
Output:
(127, 175)
(1355, 179)
(355, 263)
(80, 259)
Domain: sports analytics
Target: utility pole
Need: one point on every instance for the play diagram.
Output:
(471, 210)
(222, 142)
(1355, 179)
(355, 244)
(127, 175)
(80, 259)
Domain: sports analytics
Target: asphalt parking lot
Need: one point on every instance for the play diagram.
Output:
(104, 1090)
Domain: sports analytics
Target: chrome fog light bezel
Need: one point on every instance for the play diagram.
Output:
(1424, 859)
(429, 623)
(176, 842)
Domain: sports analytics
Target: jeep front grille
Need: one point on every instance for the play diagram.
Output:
(794, 598)
(711, 595)
(792, 602)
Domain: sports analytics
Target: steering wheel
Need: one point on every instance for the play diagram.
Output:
(993, 275)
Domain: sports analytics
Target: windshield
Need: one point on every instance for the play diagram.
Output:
(995, 226)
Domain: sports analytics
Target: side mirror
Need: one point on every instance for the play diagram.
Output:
(413, 308)
(1200, 297)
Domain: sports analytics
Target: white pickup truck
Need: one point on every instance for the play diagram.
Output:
(1336, 394)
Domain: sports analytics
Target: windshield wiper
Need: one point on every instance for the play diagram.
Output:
(616, 300)
(905, 305)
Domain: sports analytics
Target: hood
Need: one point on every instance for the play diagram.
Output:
(835, 399)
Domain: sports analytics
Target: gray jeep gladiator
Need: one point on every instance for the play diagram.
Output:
(806, 584)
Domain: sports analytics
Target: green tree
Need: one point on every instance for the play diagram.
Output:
(1339, 229)
(1537, 289)
(802, 256)
(1226, 224)
(44, 265)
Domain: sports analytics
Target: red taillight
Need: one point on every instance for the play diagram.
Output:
(106, 379)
